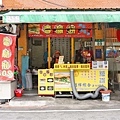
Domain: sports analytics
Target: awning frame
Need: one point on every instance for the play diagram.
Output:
(61, 16)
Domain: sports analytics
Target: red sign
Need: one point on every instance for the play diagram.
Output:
(7, 49)
(118, 35)
(81, 30)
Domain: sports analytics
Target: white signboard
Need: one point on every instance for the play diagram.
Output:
(99, 64)
(13, 19)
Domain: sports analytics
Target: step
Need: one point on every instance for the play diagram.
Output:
(31, 101)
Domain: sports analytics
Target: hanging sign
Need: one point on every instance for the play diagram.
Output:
(118, 35)
(7, 49)
(83, 30)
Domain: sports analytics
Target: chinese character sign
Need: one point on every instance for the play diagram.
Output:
(83, 30)
(7, 48)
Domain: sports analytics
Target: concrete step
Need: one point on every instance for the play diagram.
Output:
(33, 92)
(31, 101)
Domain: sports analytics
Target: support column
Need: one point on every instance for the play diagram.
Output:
(93, 39)
(104, 38)
(72, 50)
(49, 51)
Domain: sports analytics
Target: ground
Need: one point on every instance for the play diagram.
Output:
(40, 108)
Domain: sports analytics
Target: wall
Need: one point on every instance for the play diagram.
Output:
(22, 44)
(111, 35)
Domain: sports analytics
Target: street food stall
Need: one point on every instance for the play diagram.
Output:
(89, 74)
(57, 81)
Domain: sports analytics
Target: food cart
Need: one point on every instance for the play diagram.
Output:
(56, 81)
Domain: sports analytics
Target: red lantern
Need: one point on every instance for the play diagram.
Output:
(118, 35)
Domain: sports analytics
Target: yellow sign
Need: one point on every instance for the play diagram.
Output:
(85, 80)
(71, 29)
(59, 29)
(90, 80)
(45, 82)
(71, 66)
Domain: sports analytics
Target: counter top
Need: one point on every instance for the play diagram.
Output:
(7, 81)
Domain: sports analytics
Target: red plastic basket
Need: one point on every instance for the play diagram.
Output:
(18, 92)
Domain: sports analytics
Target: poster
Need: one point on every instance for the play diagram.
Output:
(45, 82)
(99, 64)
(85, 80)
(7, 52)
(62, 81)
(83, 30)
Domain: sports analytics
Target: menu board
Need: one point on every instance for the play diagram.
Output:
(83, 30)
(85, 80)
(45, 82)
(99, 64)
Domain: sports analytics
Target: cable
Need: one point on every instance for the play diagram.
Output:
(54, 3)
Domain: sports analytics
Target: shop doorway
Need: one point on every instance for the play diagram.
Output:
(62, 45)
(37, 47)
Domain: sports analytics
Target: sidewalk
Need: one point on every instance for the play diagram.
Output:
(69, 103)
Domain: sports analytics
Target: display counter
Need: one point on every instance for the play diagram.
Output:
(7, 89)
(86, 79)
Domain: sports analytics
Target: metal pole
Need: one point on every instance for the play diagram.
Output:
(72, 50)
(49, 62)
(93, 39)
(104, 38)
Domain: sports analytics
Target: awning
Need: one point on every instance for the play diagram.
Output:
(61, 16)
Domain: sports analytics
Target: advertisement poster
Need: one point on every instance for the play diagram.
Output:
(45, 82)
(99, 64)
(62, 81)
(85, 80)
(7, 47)
(83, 30)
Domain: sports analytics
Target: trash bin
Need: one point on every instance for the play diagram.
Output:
(28, 77)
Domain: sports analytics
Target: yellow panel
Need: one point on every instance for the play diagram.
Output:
(22, 43)
(71, 66)
(91, 80)
(86, 80)
(45, 80)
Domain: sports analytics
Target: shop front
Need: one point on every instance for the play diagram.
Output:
(63, 39)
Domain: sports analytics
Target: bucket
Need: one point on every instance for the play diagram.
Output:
(18, 92)
(105, 95)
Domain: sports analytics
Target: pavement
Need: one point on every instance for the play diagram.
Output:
(37, 102)
(30, 107)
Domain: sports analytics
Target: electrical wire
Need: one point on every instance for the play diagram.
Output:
(55, 4)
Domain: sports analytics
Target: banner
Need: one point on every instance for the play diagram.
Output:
(7, 49)
(81, 30)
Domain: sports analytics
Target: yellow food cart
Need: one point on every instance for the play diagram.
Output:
(57, 81)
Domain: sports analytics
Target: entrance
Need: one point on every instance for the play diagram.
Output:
(37, 47)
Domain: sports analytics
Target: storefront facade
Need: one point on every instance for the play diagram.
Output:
(60, 39)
